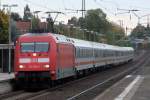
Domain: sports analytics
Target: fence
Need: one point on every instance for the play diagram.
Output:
(4, 57)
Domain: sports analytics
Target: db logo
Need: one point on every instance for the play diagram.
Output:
(34, 60)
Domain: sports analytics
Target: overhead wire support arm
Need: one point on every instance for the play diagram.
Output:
(57, 12)
(128, 11)
(76, 10)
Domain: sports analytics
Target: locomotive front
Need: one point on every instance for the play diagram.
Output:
(32, 58)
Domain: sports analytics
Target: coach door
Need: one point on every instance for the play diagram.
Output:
(65, 60)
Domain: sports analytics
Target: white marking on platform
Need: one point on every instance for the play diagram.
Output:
(128, 88)
(128, 76)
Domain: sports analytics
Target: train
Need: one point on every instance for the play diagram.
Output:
(48, 56)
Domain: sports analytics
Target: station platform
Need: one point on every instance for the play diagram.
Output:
(132, 87)
(5, 82)
(6, 76)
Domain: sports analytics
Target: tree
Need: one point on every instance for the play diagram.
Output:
(73, 21)
(15, 16)
(115, 33)
(27, 14)
(14, 33)
(3, 27)
(95, 20)
(81, 22)
(35, 24)
(138, 31)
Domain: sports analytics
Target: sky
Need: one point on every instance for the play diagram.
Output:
(110, 7)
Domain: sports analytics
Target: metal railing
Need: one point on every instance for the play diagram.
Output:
(4, 57)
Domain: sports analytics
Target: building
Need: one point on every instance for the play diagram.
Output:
(23, 26)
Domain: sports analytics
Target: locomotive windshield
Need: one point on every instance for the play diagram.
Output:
(35, 47)
(27, 47)
(41, 47)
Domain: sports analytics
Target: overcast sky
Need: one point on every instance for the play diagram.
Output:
(108, 6)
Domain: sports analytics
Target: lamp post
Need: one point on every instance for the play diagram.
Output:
(45, 28)
(0, 5)
(71, 30)
(88, 33)
(35, 22)
(9, 15)
(92, 33)
(36, 12)
(81, 30)
(74, 31)
(84, 34)
(30, 23)
(77, 32)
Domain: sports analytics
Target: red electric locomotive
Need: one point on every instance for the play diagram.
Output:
(43, 56)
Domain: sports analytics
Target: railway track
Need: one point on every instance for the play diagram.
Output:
(83, 88)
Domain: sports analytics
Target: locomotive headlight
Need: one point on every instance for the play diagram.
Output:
(21, 66)
(34, 54)
(46, 66)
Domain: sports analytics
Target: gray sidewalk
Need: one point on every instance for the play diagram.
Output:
(5, 83)
(132, 87)
(6, 76)
(123, 90)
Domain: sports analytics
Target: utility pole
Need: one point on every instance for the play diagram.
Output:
(83, 8)
(129, 11)
(120, 23)
(36, 13)
(54, 12)
(126, 31)
(0, 5)
(9, 29)
(148, 21)
(51, 20)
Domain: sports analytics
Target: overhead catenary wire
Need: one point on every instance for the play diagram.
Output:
(43, 6)
(104, 8)
(38, 5)
(111, 2)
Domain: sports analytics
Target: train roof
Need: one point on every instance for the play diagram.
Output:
(80, 43)
(89, 44)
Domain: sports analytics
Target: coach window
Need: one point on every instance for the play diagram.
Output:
(116, 53)
(78, 52)
(85, 52)
(104, 53)
(99, 53)
(82, 53)
(96, 53)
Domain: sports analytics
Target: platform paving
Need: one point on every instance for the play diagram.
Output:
(5, 82)
(132, 87)
(6, 76)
